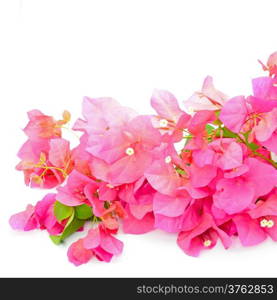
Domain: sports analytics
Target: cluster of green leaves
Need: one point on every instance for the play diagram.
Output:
(76, 218)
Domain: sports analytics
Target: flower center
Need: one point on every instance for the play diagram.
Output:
(270, 223)
(163, 123)
(168, 159)
(130, 151)
(207, 243)
(263, 223)
(267, 223)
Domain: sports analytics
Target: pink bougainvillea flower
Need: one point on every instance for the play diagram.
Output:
(225, 154)
(233, 195)
(204, 236)
(44, 212)
(45, 163)
(234, 113)
(98, 243)
(256, 224)
(228, 153)
(171, 120)
(166, 105)
(249, 231)
(208, 98)
(101, 114)
(41, 126)
(197, 128)
(242, 113)
(73, 193)
(103, 244)
(41, 216)
(266, 214)
(78, 254)
(127, 150)
(25, 220)
(206, 175)
(163, 177)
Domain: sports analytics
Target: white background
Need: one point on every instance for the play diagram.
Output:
(54, 52)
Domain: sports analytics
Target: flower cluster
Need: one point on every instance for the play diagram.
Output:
(205, 172)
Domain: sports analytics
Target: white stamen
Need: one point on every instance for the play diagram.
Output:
(168, 159)
(110, 186)
(163, 123)
(207, 243)
(270, 223)
(263, 223)
(129, 151)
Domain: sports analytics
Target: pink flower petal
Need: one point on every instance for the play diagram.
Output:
(249, 231)
(234, 113)
(233, 195)
(24, 220)
(170, 206)
(79, 255)
(111, 244)
(166, 105)
(163, 178)
(136, 226)
(92, 240)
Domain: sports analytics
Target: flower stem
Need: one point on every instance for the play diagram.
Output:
(254, 152)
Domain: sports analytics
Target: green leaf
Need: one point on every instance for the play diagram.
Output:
(55, 239)
(73, 224)
(83, 212)
(62, 211)
(210, 128)
(73, 227)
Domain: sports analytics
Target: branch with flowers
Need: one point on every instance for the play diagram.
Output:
(206, 173)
